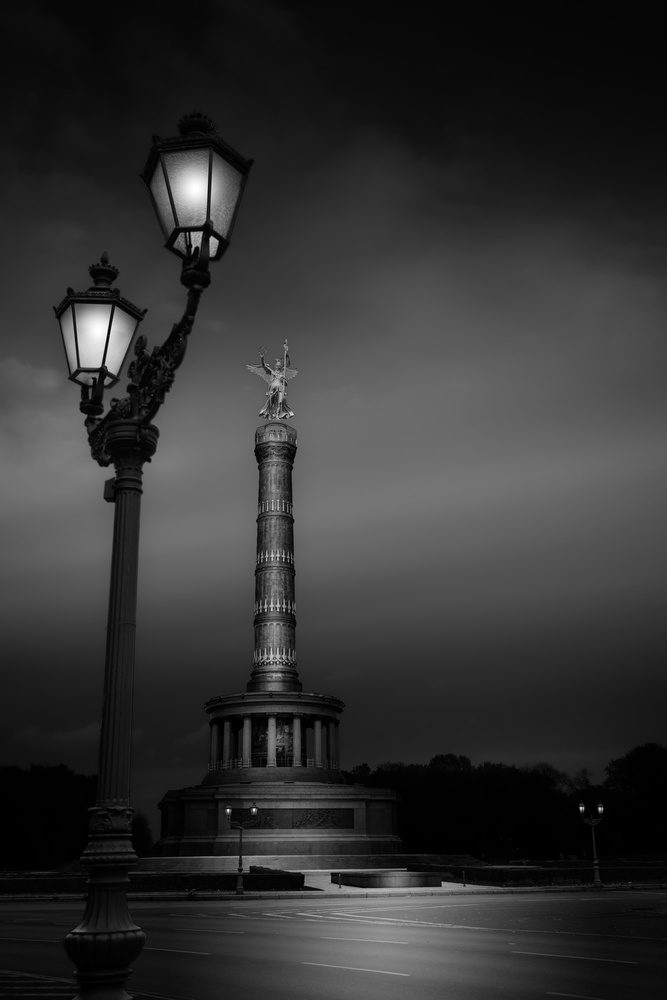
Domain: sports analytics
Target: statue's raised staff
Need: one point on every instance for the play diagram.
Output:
(276, 407)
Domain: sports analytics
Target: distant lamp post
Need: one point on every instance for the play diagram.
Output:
(239, 825)
(593, 821)
(97, 327)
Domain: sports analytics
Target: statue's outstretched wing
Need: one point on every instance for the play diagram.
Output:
(262, 372)
(289, 372)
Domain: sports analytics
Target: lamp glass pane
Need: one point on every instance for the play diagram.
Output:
(92, 328)
(187, 171)
(122, 332)
(225, 192)
(160, 194)
(69, 340)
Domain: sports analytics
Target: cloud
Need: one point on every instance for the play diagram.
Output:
(35, 421)
(196, 738)
(24, 386)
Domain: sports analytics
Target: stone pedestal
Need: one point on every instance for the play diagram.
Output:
(295, 818)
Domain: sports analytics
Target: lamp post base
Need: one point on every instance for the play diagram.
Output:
(107, 941)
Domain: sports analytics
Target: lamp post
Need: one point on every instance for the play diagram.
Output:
(196, 182)
(593, 821)
(239, 825)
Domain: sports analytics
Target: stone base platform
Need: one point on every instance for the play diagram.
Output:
(294, 819)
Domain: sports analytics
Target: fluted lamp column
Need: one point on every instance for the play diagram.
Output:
(201, 179)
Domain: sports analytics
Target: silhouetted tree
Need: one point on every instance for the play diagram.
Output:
(581, 780)
(641, 771)
(635, 800)
(142, 835)
(450, 762)
(45, 816)
(358, 774)
(502, 812)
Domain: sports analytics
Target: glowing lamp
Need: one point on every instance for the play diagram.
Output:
(600, 808)
(193, 179)
(97, 328)
(253, 810)
(582, 808)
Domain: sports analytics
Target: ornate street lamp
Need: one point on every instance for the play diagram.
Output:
(240, 826)
(97, 328)
(593, 821)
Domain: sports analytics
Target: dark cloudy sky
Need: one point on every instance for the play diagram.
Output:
(458, 218)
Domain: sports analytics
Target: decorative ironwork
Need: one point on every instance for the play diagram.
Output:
(151, 376)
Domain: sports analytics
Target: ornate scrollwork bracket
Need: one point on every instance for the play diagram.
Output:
(151, 373)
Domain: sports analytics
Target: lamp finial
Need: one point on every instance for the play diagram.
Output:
(103, 273)
(196, 123)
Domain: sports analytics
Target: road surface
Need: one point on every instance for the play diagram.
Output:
(604, 945)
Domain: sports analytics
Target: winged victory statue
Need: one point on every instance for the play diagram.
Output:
(276, 407)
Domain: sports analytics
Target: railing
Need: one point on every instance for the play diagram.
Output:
(262, 760)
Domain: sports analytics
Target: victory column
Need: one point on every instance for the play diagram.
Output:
(274, 744)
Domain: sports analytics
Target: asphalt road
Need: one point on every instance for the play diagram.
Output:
(608, 945)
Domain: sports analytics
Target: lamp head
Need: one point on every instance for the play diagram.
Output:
(97, 328)
(195, 179)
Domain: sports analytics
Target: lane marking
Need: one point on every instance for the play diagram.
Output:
(159, 996)
(457, 906)
(61, 991)
(580, 958)
(177, 951)
(32, 940)
(352, 968)
(204, 930)
(398, 922)
(364, 940)
(138, 994)
(575, 996)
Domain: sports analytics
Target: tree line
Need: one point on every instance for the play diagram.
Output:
(45, 817)
(492, 811)
(505, 812)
